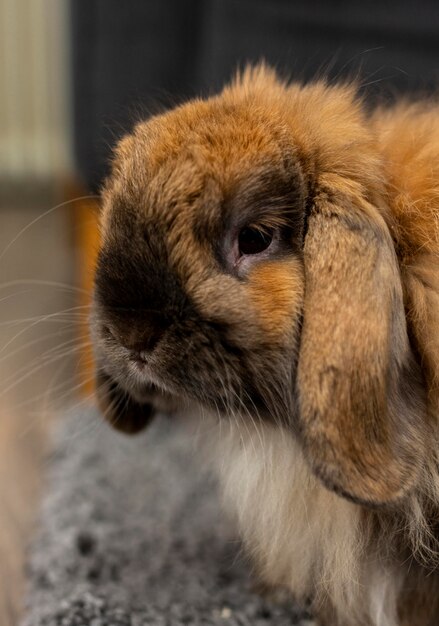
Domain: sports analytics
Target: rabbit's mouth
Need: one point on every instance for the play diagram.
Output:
(119, 407)
(131, 410)
(177, 375)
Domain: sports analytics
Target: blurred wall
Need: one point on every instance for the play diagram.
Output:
(34, 89)
(135, 57)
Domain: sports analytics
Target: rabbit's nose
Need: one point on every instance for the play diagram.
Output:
(144, 338)
(139, 358)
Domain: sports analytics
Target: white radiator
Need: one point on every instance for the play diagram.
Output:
(34, 89)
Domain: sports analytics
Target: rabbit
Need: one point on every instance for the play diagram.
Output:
(269, 268)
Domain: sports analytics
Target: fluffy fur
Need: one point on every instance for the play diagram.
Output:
(314, 364)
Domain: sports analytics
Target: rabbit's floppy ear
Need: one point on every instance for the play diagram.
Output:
(360, 391)
(120, 409)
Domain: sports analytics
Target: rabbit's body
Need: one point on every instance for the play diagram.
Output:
(408, 144)
(301, 536)
(270, 256)
(353, 564)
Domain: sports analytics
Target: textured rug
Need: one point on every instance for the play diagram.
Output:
(132, 534)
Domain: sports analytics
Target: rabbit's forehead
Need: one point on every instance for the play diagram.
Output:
(194, 200)
(182, 167)
(222, 131)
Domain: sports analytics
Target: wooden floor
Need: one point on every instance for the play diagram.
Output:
(38, 335)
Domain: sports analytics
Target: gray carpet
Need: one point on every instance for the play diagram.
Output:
(132, 534)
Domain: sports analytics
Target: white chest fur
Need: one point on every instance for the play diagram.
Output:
(300, 535)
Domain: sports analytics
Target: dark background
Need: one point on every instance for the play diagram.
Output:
(134, 57)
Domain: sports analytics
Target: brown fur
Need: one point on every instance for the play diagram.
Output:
(273, 290)
(325, 355)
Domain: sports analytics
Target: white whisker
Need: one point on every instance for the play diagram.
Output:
(37, 219)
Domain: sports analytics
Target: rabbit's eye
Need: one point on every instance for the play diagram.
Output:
(251, 240)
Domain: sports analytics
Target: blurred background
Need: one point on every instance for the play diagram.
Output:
(74, 76)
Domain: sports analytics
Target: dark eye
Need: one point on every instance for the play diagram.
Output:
(253, 241)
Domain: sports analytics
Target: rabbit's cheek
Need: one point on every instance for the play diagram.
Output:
(275, 290)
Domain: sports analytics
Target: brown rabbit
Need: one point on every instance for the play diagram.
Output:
(269, 262)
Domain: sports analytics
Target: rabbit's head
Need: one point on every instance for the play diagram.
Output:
(247, 264)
